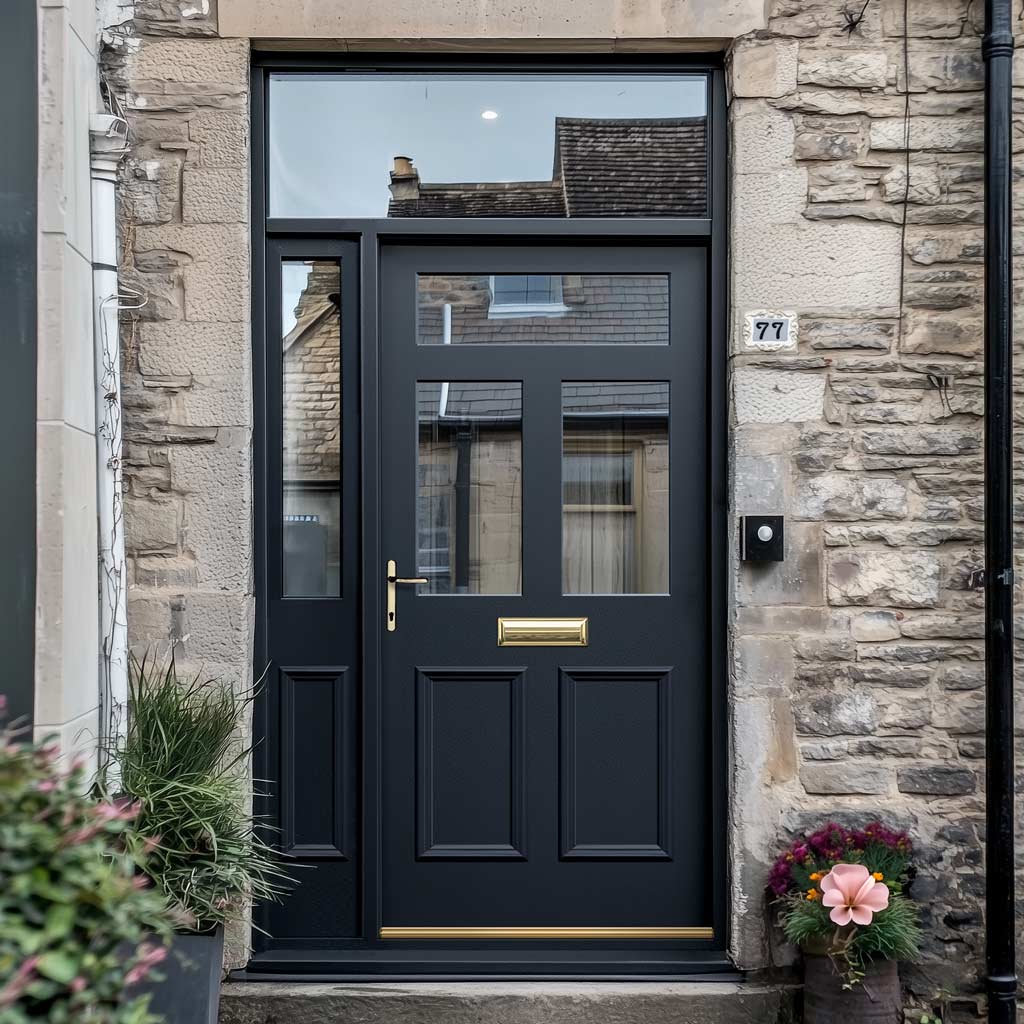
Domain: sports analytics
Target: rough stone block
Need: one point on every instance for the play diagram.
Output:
(763, 67)
(762, 664)
(215, 196)
(759, 483)
(850, 777)
(222, 137)
(151, 527)
(937, 780)
(827, 143)
(954, 334)
(843, 69)
(192, 61)
(938, 134)
(924, 441)
(777, 396)
(890, 675)
(843, 496)
(875, 625)
(837, 714)
(797, 580)
(907, 579)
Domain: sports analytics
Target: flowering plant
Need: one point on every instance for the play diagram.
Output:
(75, 911)
(842, 893)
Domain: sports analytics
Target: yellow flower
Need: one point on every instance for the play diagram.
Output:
(815, 876)
(878, 876)
(812, 894)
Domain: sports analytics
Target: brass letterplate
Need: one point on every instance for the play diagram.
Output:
(542, 632)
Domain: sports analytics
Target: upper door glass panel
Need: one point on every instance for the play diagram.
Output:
(542, 309)
(499, 145)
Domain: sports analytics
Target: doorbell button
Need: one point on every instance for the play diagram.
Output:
(761, 538)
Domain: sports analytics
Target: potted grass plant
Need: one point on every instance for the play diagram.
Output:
(79, 923)
(181, 763)
(842, 896)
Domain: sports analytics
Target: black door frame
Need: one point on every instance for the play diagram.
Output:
(367, 957)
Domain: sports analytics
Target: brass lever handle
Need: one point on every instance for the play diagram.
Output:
(393, 579)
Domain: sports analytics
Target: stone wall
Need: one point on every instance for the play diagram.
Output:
(183, 206)
(186, 354)
(858, 663)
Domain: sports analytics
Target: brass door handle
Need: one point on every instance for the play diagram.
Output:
(393, 579)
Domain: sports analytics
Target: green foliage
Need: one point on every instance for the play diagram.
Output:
(894, 933)
(181, 760)
(74, 910)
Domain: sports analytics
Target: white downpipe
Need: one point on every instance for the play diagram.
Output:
(108, 146)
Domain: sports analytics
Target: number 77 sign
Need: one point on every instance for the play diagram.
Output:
(769, 330)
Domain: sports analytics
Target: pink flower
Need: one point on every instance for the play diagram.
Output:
(853, 894)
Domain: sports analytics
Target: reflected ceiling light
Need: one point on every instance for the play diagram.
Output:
(489, 115)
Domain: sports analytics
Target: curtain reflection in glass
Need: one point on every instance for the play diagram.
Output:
(311, 455)
(615, 488)
(469, 487)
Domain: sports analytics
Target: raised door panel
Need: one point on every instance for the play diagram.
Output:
(471, 789)
(615, 764)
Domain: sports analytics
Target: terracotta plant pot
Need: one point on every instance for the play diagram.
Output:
(876, 999)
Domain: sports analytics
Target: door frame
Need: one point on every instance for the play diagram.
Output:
(367, 957)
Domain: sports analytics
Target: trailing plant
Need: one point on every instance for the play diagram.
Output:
(79, 923)
(842, 892)
(182, 762)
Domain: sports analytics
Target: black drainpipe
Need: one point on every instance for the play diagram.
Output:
(1000, 960)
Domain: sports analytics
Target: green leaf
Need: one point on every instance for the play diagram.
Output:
(60, 919)
(58, 965)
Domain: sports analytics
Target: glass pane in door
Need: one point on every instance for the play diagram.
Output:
(311, 434)
(469, 487)
(615, 478)
(542, 309)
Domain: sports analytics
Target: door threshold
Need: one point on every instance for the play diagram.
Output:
(336, 965)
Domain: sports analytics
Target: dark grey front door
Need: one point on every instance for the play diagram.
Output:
(545, 459)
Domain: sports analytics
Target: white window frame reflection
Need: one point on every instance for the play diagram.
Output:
(498, 310)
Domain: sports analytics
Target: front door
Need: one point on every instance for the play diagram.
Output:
(545, 687)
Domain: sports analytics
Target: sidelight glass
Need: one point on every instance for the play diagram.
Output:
(615, 480)
(487, 145)
(542, 309)
(311, 429)
(469, 495)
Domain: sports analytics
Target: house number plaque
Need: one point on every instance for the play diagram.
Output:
(770, 330)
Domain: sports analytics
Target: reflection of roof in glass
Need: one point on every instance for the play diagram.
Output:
(502, 401)
(621, 167)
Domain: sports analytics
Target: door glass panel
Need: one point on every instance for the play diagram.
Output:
(542, 309)
(615, 488)
(311, 446)
(487, 145)
(469, 496)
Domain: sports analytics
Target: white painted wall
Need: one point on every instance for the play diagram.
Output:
(67, 654)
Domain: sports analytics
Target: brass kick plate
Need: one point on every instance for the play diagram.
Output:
(542, 632)
(547, 933)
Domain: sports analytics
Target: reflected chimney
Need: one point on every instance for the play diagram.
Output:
(405, 179)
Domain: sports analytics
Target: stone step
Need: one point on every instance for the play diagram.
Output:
(506, 1003)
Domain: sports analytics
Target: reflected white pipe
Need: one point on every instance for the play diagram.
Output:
(446, 337)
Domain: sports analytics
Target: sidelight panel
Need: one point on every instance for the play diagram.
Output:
(469, 487)
(311, 436)
(615, 480)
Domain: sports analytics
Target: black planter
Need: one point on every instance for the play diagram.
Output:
(190, 991)
(875, 999)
